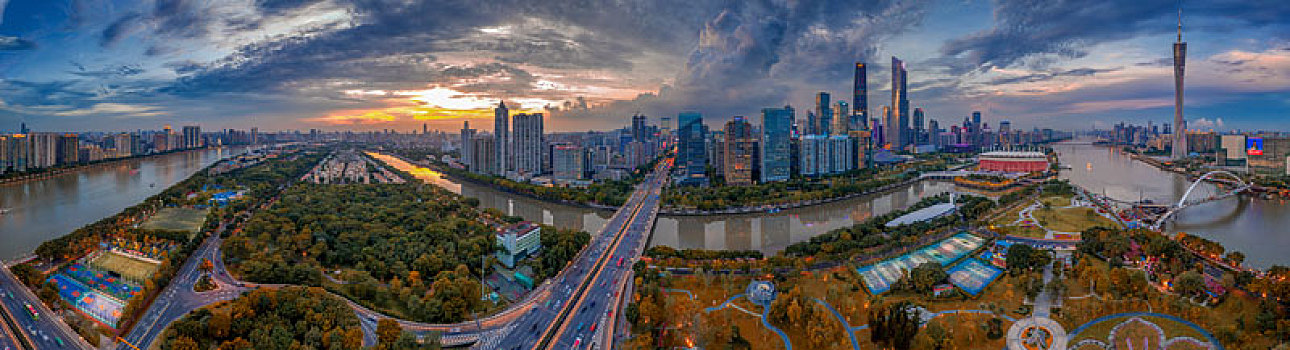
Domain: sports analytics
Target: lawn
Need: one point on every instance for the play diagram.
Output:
(1172, 329)
(842, 289)
(1056, 201)
(711, 292)
(1071, 219)
(178, 219)
(129, 267)
(1022, 231)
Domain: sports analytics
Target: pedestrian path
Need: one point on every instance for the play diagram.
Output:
(846, 325)
(1208, 336)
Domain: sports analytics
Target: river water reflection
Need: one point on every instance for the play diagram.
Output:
(1259, 228)
(766, 232)
(49, 208)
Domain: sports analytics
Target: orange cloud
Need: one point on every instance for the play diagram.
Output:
(404, 114)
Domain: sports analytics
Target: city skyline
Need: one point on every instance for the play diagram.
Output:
(333, 65)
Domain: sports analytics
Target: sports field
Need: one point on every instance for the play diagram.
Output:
(973, 276)
(130, 268)
(90, 301)
(180, 219)
(879, 277)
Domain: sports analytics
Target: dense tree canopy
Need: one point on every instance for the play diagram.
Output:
(384, 232)
(287, 318)
(1024, 258)
(796, 189)
(894, 326)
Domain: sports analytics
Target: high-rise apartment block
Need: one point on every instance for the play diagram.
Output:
(823, 115)
(898, 119)
(501, 139)
(691, 155)
(567, 162)
(860, 97)
(527, 144)
(776, 143)
(740, 152)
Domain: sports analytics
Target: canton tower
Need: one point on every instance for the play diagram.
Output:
(1180, 128)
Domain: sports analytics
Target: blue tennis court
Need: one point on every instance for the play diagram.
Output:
(99, 306)
(103, 281)
(973, 276)
(879, 277)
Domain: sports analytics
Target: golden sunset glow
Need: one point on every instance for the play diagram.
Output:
(437, 103)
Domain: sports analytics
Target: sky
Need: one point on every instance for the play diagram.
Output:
(107, 65)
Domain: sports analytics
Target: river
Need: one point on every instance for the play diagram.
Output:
(765, 232)
(44, 209)
(1258, 228)
(48, 208)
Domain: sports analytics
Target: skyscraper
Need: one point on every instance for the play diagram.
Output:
(918, 133)
(841, 118)
(192, 136)
(776, 133)
(860, 97)
(1180, 59)
(527, 144)
(977, 131)
(639, 129)
(467, 147)
(691, 154)
(483, 150)
(812, 120)
(68, 149)
(823, 115)
(567, 162)
(501, 136)
(739, 151)
(898, 125)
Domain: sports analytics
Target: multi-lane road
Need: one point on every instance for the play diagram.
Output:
(582, 295)
(46, 331)
(178, 298)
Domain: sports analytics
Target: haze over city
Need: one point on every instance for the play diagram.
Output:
(368, 65)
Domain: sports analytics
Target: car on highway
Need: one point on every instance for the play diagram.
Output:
(31, 311)
(620, 261)
(577, 342)
(593, 328)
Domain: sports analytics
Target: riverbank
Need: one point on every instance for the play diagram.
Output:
(47, 173)
(1267, 192)
(451, 174)
(771, 208)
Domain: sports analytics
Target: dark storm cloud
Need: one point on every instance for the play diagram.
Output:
(22, 92)
(387, 30)
(386, 47)
(15, 43)
(119, 29)
(276, 7)
(1050, 75)
(107, 72)
(755, 54)
(184, 18)
(549, 48)
(1027, 30)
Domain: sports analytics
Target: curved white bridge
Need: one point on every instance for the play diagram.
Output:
(1238, 185)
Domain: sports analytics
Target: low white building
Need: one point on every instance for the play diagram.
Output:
(518, 242)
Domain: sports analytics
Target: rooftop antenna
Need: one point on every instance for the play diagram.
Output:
(1180, 21)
